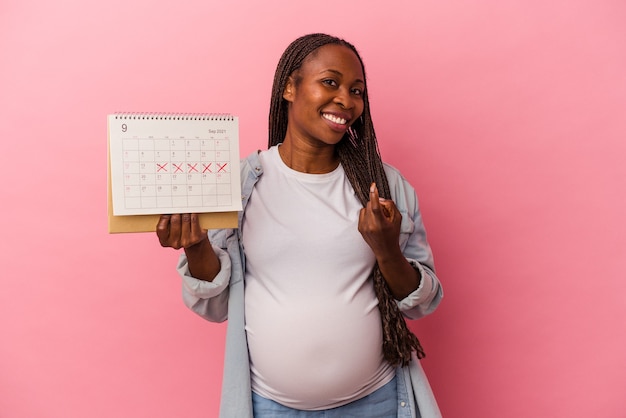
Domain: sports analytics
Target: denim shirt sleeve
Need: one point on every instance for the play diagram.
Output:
(414, 245)
(207, 299)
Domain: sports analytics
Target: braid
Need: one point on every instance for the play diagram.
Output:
(398, 340)
(360, 158)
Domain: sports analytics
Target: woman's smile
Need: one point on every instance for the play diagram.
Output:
(336, 122)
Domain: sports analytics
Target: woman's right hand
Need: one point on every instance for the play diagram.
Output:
(184, 231)
(180, 230)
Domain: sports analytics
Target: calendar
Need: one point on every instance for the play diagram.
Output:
(161, 164)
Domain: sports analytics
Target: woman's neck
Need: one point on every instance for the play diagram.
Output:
(308, 159)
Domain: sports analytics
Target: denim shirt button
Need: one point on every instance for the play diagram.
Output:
(403, 404)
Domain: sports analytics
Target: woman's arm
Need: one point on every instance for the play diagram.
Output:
(184, 231)
(379, 224)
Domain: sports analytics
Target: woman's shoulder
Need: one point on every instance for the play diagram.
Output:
(402, 192)
(395, 176)
(252, 163)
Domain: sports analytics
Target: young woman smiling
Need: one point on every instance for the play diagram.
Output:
(329, 257)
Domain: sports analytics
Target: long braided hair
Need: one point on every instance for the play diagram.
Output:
(360, 158)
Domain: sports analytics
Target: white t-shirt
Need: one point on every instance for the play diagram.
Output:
(312, 318)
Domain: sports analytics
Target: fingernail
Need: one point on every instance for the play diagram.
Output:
(373, 188)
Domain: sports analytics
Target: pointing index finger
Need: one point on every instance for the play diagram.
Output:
(374, 200)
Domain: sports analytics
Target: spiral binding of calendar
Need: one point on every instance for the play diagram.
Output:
(173, 116)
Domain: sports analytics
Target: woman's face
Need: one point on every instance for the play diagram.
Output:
(325, 95)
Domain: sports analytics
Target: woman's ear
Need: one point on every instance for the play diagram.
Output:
(290, 89)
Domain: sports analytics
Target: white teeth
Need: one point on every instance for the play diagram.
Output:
(334, 119)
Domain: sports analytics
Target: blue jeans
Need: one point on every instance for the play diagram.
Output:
(383, 403)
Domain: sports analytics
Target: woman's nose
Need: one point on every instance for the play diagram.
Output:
(343, 98)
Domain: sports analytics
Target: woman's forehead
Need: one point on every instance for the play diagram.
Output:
(335, 57)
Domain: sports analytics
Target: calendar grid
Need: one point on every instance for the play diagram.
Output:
(163, 173)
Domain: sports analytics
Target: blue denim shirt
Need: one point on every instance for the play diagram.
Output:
(223, 298)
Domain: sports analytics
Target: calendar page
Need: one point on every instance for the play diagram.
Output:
(162, 164)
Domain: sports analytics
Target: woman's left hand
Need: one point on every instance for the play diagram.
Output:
(379, 224)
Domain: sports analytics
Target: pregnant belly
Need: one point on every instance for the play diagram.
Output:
(315, 358)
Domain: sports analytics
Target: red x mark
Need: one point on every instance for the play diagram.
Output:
(178, 167)
(192, 167)
(207, 167)
(161, 167)
(221, 167)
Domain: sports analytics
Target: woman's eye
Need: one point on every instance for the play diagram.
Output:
(330, 82)
(357, 92)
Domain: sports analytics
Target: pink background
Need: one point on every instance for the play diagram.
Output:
(507, 116)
